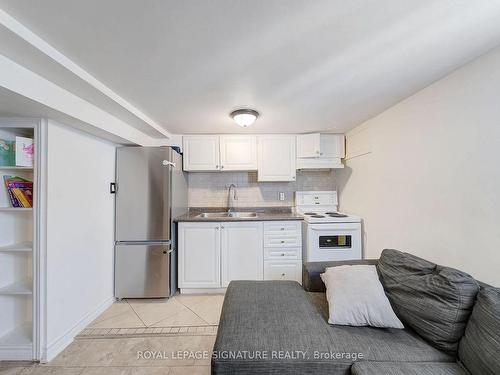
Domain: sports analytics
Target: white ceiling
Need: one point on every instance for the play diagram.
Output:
(305, 65)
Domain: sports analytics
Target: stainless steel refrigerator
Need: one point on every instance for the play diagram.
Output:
(151, 190)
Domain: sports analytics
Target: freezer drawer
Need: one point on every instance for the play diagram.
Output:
(142, 270)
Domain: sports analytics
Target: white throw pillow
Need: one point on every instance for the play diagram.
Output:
(356, 297)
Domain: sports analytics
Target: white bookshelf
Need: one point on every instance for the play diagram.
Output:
(18, 246)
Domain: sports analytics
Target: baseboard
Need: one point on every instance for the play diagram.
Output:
(58, 345)
(202, 291)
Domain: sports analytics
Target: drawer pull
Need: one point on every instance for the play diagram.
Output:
(282, 254)
(283, 274)
(282, 241)
(282, 229)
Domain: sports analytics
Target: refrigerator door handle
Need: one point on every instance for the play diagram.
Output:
(168, 163)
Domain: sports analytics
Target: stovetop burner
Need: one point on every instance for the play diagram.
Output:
(317, 216)
(335, 214)
(310, 213)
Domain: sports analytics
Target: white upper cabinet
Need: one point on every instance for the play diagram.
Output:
(308, 145)
(276, 158)
(201, 153)
(238, 152)
(320, 150)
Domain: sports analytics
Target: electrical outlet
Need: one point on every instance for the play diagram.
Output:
(281, 196)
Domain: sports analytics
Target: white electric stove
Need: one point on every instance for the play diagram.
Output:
(328, 235)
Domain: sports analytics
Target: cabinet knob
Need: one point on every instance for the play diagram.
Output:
(317, 152)
(221, 167)
(282, 241)
(216, 228)
(222, 227)
(282, 228)
(282, 254)
(283, 275)
(216, 166)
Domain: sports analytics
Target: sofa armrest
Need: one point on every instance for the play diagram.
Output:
(311, 281)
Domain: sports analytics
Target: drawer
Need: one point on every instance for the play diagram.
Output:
(283, 253)
(283, 270)
(286, 239)
(282, 226)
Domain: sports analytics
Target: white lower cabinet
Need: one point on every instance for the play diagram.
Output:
(283, 250)
(283, 270)
(212, 254)
(242, 254)
(199, 255)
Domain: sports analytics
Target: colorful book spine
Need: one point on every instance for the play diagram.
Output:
(20, 191)
(21, 198)
(14, 202)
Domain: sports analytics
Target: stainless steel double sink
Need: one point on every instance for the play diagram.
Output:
(235, 214)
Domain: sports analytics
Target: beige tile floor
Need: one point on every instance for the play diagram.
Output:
(128, 355)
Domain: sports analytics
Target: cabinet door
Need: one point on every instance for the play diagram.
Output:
(201, 153)
(332, 146)
(276, 158)
(238, 152)
(199, 255)
(242, 251)
(309, 145)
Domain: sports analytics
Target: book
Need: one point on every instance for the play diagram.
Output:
(7, 153)
(20, 191)
(21, 198)
(24, 152)
(13, 200)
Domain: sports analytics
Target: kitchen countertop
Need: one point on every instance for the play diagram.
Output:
(263, 214)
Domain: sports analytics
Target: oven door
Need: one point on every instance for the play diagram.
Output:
(333, 241)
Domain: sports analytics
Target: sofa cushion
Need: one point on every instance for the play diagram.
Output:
(279, 317)
(311, 271)
(480, 347)
(406, 368)
(356, 297)
(434, 301)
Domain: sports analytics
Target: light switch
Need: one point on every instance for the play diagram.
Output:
(281, 196)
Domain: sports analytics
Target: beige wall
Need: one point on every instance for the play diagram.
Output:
(211, 189)
(425, 174)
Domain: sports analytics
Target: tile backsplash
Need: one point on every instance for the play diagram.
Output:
(211, 189)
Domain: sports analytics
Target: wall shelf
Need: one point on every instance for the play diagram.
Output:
(18, 288)
(20, 247)
(13, 209)
(6, 168)
(18, 250)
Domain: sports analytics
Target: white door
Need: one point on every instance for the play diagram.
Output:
(199, 255)
(242, 251)
(238, 152)
(276, 158)
(201, 153)
(309, 145)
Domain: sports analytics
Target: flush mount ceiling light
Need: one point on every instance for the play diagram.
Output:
(244, 117)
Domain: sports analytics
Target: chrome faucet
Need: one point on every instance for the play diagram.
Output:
(229, 200)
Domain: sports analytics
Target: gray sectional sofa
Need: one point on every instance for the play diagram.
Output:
(452, 325)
